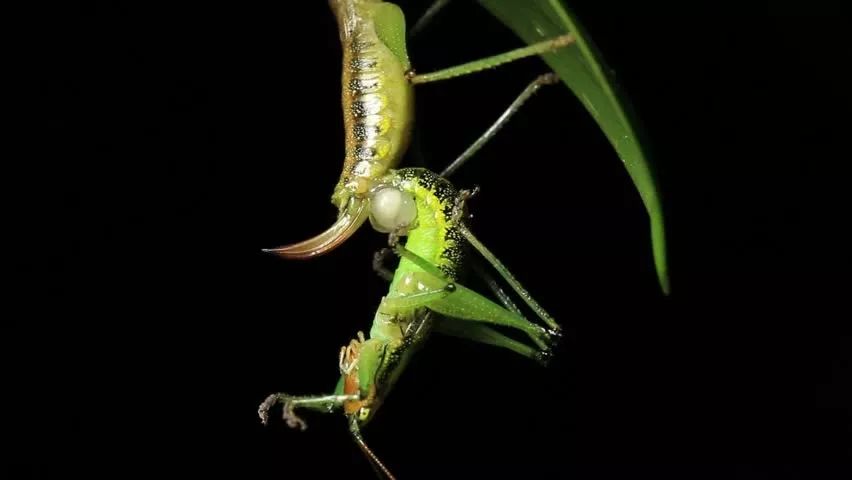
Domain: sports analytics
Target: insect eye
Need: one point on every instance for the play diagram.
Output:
(391, 208)
(363, 413)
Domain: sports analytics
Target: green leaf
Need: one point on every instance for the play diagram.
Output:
(580, 67)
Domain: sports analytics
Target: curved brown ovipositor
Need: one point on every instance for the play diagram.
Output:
(378, 105)
(347, 223)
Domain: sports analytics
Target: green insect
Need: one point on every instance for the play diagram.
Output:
(378, 107)
(424, 297)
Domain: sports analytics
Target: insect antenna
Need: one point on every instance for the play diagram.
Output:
(377, 465)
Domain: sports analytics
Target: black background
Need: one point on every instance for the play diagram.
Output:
(172, 142)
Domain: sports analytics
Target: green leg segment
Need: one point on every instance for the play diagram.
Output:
(495, 288)
(494, 61)
(421, 262)
(465, 304)
(487, 335)
(390, 305)
(459, 302)
(510, 279)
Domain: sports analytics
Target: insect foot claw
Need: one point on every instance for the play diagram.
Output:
(549, 78)
(556, 335)
(289, 415)
(554, 338)
(461, 202)
(263, 409)
(293, 420)
(544, 357)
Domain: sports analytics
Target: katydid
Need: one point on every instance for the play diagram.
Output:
(378, 107)
(424, 297)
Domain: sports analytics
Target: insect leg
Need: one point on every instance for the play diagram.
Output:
(419, 261)
(492, 284)
(458, 211)
(391, 305)
(546, 79)
(323, 403)
(465, 304)
(381, 470)
(457, 301)
(428, 16)
(494, 61)
(487, 335)
(510, 279)
(379, 264)
(418, 289)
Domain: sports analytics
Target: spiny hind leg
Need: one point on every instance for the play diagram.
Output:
(510, 279)
(539, 48)
(484, 334)
(495, 287)
(457, 214)
(534, 86)
(455, 300)
(451, 298)
(507, 301)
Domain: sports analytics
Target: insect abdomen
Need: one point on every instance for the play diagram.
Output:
(377, 104)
